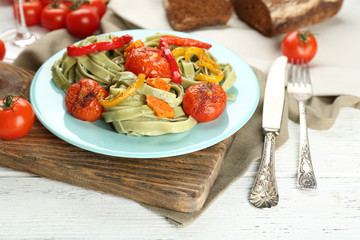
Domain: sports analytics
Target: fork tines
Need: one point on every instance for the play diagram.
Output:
(299, 80)
(301, 72)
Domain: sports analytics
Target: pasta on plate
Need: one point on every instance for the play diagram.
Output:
(133, 116)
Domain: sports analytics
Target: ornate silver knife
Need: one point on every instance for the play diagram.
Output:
(264, 192)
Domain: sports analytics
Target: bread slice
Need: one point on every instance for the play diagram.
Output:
(273, 17)
(194, 14)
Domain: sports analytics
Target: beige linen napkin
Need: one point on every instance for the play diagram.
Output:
(248, 144)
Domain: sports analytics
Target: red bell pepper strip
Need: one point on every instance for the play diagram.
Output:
(174, 68)
(186, 42)
(116, 42)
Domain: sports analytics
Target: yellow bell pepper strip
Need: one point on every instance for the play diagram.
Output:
(174, 68)
(116, 42)
(186, 42)
(205, 61)
(179, 51)
(122, 95)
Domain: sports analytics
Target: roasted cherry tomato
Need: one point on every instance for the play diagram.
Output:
(32, 11)
(2, 50)
(204, 101)
(149, 61)
(81, 101)
(17, 117)
(98, 6)
(82, 22)
(53, 16)
(299, 45)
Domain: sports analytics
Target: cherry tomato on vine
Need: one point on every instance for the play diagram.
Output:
(68, 3)
(45, 2)
(149, 61)
(98, 6)
(32, 11)
(53, 16)
(82, 22)
(17, 117)
(81, 100)
(299, 45)
(204, 101)
(2, 50)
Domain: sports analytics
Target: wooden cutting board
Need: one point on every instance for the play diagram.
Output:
(180, 183)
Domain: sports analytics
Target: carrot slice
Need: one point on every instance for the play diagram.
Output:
(158, 83)
(161, 108)
(136, 44)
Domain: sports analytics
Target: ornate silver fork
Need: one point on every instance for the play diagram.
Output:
(299, 86)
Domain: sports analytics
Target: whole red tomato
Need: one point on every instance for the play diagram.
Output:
(2, 50)
(149, 61)
(82, 22)
(299, 45)
(53, 16)
(17, 117)
(81, 100)
(204, 101)
(98, 6)
(32, 11)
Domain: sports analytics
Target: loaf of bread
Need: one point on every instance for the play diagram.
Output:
(194, 14)
(273, 17)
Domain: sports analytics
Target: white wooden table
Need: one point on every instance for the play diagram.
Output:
(32, 207)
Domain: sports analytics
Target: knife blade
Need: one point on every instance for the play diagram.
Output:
(264, 193)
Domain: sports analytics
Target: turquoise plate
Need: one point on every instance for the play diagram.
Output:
(99, 137)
